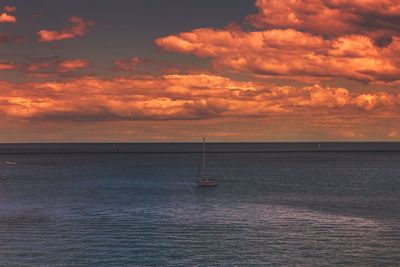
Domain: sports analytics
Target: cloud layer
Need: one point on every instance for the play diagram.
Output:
(177, 97)
(355, 40)
(329, 17)
(294, 68)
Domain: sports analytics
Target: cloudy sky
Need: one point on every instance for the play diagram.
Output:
(176, 70)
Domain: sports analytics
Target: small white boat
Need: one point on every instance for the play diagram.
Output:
(13, 163)
(207, 182)
(204, 179)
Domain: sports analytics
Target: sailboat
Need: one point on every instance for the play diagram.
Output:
(204, 179)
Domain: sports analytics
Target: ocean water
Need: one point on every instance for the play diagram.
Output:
(144, 209)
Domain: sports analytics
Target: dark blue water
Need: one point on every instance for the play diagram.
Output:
(307, 209)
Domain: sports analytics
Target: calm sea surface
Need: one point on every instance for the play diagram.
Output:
(144, 209)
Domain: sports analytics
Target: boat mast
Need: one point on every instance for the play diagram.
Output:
(204, 156)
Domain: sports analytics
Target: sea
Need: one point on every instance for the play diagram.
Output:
(276, 204)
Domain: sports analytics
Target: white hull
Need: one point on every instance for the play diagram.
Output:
(207, 183)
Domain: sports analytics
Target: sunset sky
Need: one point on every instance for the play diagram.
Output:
(177, 70)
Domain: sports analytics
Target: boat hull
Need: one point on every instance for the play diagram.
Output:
(207, 183)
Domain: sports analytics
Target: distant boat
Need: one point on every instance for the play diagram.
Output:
(204, 179)
(13, 163)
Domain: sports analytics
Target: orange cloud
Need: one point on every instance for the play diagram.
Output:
(381, 100)
(7, 66)
(334, 17)
(45, 68)
(393, 133)
(129, 64)
(77, 27)
(177, 97)
(9, 9)
(33, 67)
(141, 65)
(290, 53)
(5, 18)
(72, 64)
(207, 103)
(357, 40)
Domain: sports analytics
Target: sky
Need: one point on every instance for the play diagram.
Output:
(177, 70)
